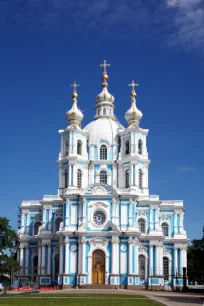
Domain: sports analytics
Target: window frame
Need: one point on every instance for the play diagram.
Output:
(140, 178)
(103, 152)
(79, 178)
(165, 226)
(166, 268)
(101, 180)
(79, 147)
(140, 147)
(127, 179)
(127, 147)
(142, 263)
(66, 178)
(142, 223)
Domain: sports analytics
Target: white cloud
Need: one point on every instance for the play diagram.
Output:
(176, 22)
(188, 18)
(186, 169)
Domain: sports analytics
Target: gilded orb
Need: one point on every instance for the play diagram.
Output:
(133, 94)
(105, 77)
(74, 95)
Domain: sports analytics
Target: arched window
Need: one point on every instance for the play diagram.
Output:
(165, 229)
(104, 111)
(66, 147)
(103, 152)
(103, 177)
(140, 147)
(127, 183)
(140, 178)
(127, 147)
(36, 227)
(166, 268)
(57, 224)
(56, 262)
(79, 177)
(79, 147)
(141, 224)
(66, 178)
(142, 267)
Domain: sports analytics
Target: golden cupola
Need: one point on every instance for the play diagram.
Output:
(133, 115)
(104, 100)
(74, 115)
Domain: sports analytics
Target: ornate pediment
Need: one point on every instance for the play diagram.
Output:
(166, 251)
(99, 189)
(98, 241)
(142, 249)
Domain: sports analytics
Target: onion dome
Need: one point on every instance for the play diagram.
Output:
(74, 115)
(133, 115)
(104, 100)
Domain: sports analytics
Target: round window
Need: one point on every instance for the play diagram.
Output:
(99, 217)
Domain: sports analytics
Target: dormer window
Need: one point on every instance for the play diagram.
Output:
(103, 152)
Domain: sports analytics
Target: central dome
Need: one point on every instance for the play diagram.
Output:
(103, 128)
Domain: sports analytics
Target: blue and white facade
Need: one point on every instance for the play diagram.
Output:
(103, 227)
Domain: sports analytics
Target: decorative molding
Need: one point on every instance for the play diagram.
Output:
(97, 242)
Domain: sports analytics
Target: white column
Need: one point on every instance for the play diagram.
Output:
(181, 222)
(67, 255)
(157, 218)
(27, 259)
(175, 223)
(161, 260)
(150, 260)
(67, 213)
(83, 249)
(130, 256)
(150, 220)
(184, 257)
(181, 260)
(131, 174)
(130, 213)
(79, 257)
(70, 178)
(43, 259)
(27, 224)
(175, 261)
(21, 257)
(22, 222)
(113, 256)
(84, 211)
(157, 260)
(39, 258)
(117, 255)
(49, 259)
(136, 259)
(61, 257)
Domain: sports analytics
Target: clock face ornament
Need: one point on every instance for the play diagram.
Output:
(99, 217)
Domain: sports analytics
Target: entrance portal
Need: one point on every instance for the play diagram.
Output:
(98, 267)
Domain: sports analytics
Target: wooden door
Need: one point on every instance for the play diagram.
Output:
(98, 267)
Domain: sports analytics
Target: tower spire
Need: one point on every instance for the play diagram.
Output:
(74, 115)
(133, 115)
(105, 74)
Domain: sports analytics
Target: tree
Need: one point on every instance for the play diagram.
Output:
(8, 247)
(195, 261)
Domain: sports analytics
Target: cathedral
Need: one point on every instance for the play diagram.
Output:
(103, 229)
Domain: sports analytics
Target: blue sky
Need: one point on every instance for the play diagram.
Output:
(46, 45)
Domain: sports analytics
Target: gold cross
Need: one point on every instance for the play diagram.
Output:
(75, 85)
(104, 65)
(133, 85)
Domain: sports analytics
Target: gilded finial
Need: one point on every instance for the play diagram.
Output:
(75, 94)
(105, 75)
(133, 85)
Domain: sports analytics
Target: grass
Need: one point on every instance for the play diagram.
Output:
(78, 299)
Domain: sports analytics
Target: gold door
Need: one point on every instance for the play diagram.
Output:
(98, 267)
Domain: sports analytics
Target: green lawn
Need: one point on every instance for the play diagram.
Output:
(77, 300)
